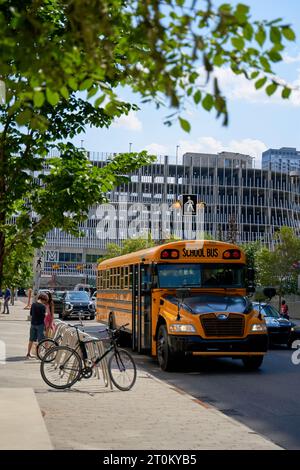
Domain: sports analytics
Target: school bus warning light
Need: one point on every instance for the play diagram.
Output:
(231, 254)
(169, 254)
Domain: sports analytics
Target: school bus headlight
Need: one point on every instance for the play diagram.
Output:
(258, 327)
(182, 328)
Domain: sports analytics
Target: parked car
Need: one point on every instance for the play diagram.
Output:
(280, 330)
(58, 297)
(74, 302)
(21, 292)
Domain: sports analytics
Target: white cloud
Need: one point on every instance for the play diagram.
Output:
(237, 87)
(157, 149)
(130, 122)
(289, 59)
(247, 146)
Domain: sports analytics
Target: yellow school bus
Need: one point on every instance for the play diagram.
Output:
(183, 298)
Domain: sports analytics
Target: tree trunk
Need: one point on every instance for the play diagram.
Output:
(2, 246)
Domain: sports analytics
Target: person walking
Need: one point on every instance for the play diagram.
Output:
(7, 296)
(37, 327)
(49, 318)
(29, 294)
(285, 310)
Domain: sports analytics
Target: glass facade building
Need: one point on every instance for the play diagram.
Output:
(241, 201)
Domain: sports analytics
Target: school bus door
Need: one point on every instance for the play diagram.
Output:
(141, 308)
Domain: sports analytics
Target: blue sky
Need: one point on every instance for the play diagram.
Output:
(256, 121)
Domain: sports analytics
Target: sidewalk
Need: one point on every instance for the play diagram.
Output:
(153, 415)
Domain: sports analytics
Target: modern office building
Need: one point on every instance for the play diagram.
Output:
(285, 159)
(242, 203)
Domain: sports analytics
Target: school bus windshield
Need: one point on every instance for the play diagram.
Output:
(201, 275)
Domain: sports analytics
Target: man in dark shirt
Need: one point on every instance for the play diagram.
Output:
(7, 297)
(37, 327)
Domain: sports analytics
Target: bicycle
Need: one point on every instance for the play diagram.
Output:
(63, 366)
(48, 343)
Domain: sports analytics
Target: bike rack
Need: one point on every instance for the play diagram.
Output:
(68, 337)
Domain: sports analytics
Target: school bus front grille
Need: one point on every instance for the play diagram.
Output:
(232, 326)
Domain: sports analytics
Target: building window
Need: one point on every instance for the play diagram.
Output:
(70, 257)
(92, 258)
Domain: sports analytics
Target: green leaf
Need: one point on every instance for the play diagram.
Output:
(248, 31)
(270, 90)
(24, 117)
(260, 83)
(288, 33)
(99, 101)
(260, 36)
(52, 96)
(274, 56)
(265, 63)
(208, 102)
(73, 83)
(197, 97)
(254, 74)
(238, 43)
(286, 92)
(241, 12)
(86, 84)
(65, 92)
(38, 99)
(185, 125)
(275, 35)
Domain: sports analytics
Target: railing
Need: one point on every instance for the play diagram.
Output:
(67, 335)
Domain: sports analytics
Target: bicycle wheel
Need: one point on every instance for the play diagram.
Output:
(122, 370)
(62, 368)
(44, 346)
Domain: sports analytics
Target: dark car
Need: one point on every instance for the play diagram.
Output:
(75, 303)
(280, 330)
(58, 297)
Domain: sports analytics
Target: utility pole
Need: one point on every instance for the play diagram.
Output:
(37, 270)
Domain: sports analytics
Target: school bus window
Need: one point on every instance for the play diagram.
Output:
(121, 281)
(126, 277)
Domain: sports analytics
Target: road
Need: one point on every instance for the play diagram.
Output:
(266, 400)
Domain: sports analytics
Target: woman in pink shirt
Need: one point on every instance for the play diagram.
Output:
(49, 318)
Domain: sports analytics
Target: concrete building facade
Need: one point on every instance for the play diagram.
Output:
(242, 202)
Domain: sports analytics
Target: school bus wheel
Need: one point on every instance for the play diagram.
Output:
(253, 362)
(165, 357)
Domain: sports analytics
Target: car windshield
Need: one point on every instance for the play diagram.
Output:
(79, 296)
(208, 303)
(268, 311)
(201, 275)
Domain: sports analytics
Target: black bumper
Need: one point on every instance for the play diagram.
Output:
(189, 344)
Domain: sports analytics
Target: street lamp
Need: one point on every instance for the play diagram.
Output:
(130, 145)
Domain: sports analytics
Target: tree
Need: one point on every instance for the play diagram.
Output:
(128, 246)
(18, 267)
(63, 64)
(277, 268)
(251, 250)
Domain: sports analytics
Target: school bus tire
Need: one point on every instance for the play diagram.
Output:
(165, 357)
(253, 362)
